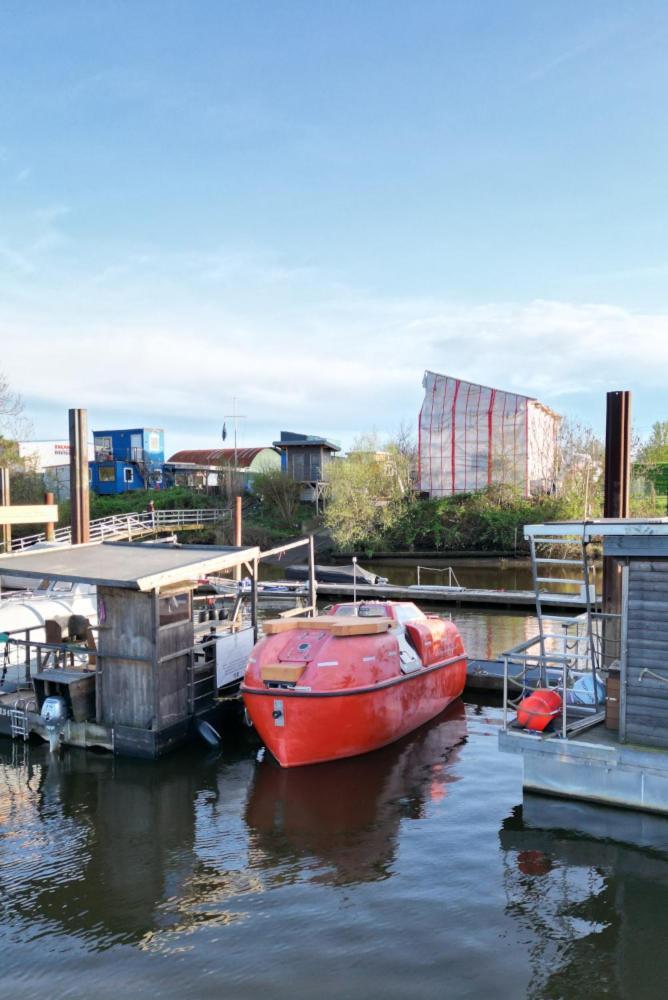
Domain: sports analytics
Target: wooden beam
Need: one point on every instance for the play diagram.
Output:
(34, 513)
(5, 500)
(79, 496)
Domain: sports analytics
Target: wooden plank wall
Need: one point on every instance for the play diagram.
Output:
(126, 695)
(647, 650)
(172, 672)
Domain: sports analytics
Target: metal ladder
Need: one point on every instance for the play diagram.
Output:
(18, 722)
(542, 540)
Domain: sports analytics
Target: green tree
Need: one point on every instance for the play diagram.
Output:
(580, 465)
(280, 496)
(655, 449)
(369, 490)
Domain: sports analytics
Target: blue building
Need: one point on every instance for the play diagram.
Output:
(127, 460)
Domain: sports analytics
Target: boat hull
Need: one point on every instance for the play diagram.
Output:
(302, 727)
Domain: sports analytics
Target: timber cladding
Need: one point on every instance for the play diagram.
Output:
(143, 665)
(646, 709)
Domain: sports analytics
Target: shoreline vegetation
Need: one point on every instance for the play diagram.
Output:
(488, 524)
(373, 509)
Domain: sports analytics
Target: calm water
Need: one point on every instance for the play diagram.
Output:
(411, 872)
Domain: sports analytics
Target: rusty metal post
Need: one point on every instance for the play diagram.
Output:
(617, 455)
(79, 497)
(49, 529)
(5, 501)
(617, 483)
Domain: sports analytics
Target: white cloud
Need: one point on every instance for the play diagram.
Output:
(172, 338)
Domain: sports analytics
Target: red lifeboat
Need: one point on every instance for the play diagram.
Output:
(318, 689)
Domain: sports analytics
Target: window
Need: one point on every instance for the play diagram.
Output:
(106, 474)
(408, 613)
(128, 474)
(372, 611)
(102, 448)
(154, 442)
(175, 608)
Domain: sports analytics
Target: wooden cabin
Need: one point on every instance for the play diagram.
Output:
(141, 681)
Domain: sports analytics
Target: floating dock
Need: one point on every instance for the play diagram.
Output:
(613, 747)
(454, 595)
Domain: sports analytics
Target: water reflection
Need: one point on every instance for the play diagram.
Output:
(588, 885)
(110, 850)
(92, 843)
(346, 815)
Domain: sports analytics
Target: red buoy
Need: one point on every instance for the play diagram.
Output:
(538, 710)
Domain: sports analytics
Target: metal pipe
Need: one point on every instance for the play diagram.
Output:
(354, 579)
(254, 576)
(615, 504)
(283, 548)
(311, 575)
(623, 653)
(238, 531)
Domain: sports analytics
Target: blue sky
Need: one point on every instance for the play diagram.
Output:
(305, 204)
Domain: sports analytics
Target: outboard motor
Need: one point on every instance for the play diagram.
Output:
(77, 627)
(54, 716)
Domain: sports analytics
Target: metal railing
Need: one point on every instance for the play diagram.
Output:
(132, 525)
(440, 569)
(556, 660)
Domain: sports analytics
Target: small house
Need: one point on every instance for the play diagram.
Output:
(304, 458)
(127, 460)
(137, 682)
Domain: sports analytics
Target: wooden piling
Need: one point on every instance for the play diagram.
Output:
(5, 501)
(49, 528)
(80, 501)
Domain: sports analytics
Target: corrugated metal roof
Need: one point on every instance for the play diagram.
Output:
(219, 456)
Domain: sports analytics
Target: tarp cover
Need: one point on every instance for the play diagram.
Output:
(473, 436)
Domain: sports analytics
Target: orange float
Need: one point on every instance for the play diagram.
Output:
(539, 709)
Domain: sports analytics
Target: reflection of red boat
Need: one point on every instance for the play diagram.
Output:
(338, 685)
(346, 815)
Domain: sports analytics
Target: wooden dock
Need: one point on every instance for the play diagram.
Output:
(524, 599)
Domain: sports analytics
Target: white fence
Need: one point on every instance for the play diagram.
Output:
(134, 525)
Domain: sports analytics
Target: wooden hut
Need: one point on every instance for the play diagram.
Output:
(145, 677)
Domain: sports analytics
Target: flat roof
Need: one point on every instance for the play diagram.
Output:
(131, 565)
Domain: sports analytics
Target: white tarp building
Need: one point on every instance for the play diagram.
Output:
(472, 437)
